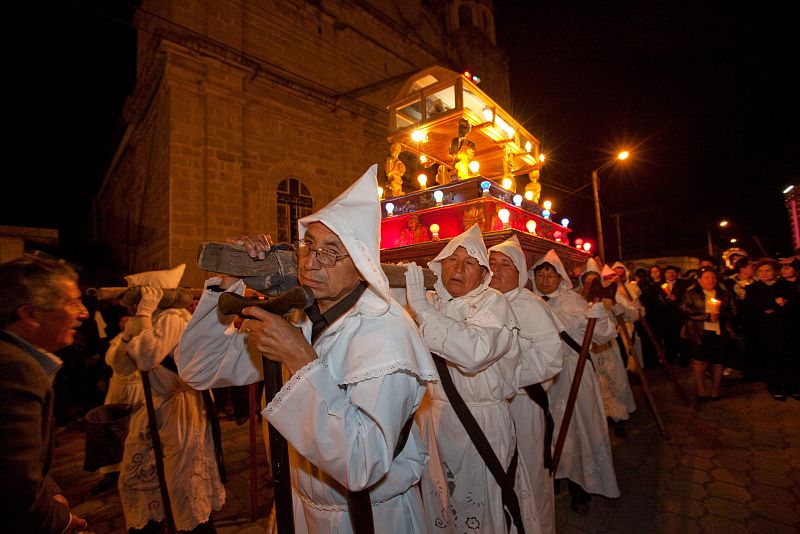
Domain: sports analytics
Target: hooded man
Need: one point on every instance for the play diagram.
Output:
(541, 360)
(472, 331)
(193, 480)
(609, 365)
(586, 458)
(358, 367)
(628, 294)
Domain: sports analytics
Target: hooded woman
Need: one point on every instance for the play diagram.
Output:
(541, 360)
(472, 331)
(357, 363)
(586, 459)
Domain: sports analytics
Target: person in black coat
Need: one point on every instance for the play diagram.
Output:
(40, 311)
(771, 307)
(672, 291)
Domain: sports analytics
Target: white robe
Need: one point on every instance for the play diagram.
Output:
(477, 335)
(541, 359)
(612, 377)
(341, 414)
(586, 457)
(193, 481)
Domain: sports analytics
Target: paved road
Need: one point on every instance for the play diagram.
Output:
(730, 466)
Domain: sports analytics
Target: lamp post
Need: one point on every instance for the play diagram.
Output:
(596, 188)
(721, 224)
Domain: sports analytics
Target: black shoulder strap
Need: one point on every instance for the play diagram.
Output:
(566, 338)
(359, 501)
(538, 395)
(504, 479)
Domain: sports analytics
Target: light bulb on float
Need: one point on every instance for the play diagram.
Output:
(546, 214)
(517, 200)
(504, 215)
(547, 205)
(438, 196)
(418, 136)
(508, 183)
(474, 166)
(434, 231)
(587, 246)
(579, 243)
(529, 196)
(380, 192)
(565, 222)
(531, 226)
(485, 185)
(423, 180)
(389, 209)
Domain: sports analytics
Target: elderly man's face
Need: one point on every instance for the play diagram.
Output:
(329, 284)
(461, 273)
(547, 279)
(505, 276)
(60, 319)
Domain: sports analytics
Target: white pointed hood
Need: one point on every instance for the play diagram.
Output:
(166, 279)
(607, 271)
(511, 248)
(591, 266)
(472, 241)
(355, 216)
(622, 265)
(552, 258)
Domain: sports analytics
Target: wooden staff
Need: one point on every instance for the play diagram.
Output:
(252, 412)
(573, 392)
(157, 451)
(662, 359)
(626, 337)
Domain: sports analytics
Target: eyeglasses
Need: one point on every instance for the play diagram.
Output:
(325, 257)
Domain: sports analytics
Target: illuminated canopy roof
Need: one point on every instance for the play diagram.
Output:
(433, 101)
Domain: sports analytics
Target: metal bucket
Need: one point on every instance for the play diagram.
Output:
(106, 430)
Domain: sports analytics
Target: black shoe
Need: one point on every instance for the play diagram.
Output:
(108, 481)
(619, 429)
(779, 397)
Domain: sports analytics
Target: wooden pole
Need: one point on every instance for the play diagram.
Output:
(279, 453)
(662, 359)
(640, 372)
(252, 416)
(573, 393)
(157, 452)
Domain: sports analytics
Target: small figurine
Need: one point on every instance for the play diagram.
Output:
(414, 232)
(442, 176)
(465, 154)
(395, 169)
(534, 187)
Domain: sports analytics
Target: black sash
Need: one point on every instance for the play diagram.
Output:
(504, 479)
(538, 395)
(211, 415)
(566, 338)
(358, 502)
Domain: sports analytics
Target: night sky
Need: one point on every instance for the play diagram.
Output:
(703, 94)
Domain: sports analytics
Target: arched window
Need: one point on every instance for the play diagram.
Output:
(294, 203)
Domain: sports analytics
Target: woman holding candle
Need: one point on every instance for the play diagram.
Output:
(708, 309)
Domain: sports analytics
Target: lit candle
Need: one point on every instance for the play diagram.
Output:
(713, 305)
(666, 288)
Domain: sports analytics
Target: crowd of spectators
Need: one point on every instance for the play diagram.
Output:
(738, 320)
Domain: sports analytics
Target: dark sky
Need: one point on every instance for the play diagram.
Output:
(702, 93)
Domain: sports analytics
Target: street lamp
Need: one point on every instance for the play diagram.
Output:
(595, 186)
(722, 224)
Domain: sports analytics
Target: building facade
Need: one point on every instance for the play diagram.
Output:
(247, 115)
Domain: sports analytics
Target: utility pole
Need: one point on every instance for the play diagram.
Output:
(600, 246)
(619, 237)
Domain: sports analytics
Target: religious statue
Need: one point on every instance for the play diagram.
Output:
(534, 187)
(442, 177)
(465, 154)
(395, 169)
(414, 232)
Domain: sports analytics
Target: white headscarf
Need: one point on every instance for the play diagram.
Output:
(511, 248)
(472, 241)
(166, 279)
(607, 271)
(355, 217)
(552, 258)
(591, 266)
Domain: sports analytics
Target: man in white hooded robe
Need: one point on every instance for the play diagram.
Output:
(586, 459)
(541, 360)
(352, 389)
(472, 328)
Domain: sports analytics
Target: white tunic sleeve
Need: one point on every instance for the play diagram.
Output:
(117, 357)
(212, 353)
(350, 433)
(540, 344)
(475, 342)
(152, 345)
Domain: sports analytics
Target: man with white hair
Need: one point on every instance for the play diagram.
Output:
(358, 367)
(541, 359)
(193, 477)
(586, 458)
(476, 475)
